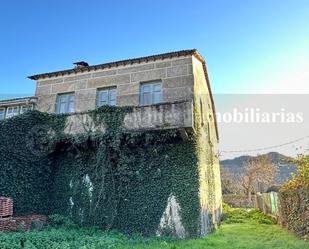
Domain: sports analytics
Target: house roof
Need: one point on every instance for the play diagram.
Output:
(117, 63)
(17, 99)
(7, 102)
(163, 56)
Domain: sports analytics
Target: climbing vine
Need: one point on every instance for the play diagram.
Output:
(113, 179)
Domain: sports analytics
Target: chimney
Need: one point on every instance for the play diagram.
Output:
(80, 64)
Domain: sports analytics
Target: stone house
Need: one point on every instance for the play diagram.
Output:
(167, 91)
(13, 107)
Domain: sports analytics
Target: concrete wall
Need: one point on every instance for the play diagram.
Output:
(175, 73)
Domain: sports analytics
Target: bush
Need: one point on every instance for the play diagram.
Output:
(240, 215)
(294, 199)
(57, 220)
(21, 227)
(37, 225)
(294, 206)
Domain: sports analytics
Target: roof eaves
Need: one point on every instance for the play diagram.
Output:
(116, 64)
(17, 100)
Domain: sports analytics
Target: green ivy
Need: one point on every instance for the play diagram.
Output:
(114, 180)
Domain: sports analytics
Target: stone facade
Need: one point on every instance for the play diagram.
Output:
(175, 74)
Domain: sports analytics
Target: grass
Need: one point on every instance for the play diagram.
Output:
(245, 235)
(241, 229)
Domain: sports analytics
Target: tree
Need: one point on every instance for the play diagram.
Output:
(301, 178)
(229, 182)
(258, 171)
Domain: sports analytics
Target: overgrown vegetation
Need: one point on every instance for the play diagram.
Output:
(294, 199)
(112, 180)
(240, 215)
(301, 178)
(247, 235)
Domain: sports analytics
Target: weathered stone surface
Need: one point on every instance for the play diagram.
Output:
(187, 60)
(132, 88)
(155, 74)
(180, 93)
(163, 64)
(171, 219)
(44, 90)
(50, 81)
(85, 100)
(162, 116)
(176, 82)
(64, 87)
(46, 103)
(108, 81)
(104, 73)
(77, 77)
(80, 85)
(137, 68)
(177, 71)
(128, 100)
(190, 69)
(81, 123)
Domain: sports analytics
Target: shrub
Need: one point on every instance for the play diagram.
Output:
(57, 220)
(240, 215)
(294, 199)
(21, 227)
(37, 225)
(301, 179)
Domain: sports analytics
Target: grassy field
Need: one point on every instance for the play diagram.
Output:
(248, 235)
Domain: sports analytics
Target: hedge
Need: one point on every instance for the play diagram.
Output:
(294, 210)
(294, 199)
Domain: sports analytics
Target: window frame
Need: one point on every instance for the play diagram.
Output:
(28, 108)
(152, 85)
(4, 113)
(67, 103)
(108, 90)
(9, 115)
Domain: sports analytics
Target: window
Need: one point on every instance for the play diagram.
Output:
(25, 108)
(151, 93)
(65, 103)
(12, 111)
(2, 114)
(107, 96)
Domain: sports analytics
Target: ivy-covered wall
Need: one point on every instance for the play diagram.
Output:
(25, 169)
(116, 179)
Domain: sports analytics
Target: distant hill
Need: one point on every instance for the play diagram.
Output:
(237, 165)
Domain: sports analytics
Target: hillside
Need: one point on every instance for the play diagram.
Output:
(237, 165)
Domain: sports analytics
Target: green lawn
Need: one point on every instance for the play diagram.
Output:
(248, 235)
(242, 236)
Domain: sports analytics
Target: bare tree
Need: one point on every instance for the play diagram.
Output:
(259, 170)
(229, 182)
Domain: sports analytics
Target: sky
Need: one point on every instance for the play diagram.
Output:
(257, 46)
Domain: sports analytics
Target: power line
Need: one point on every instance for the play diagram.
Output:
(265, 148)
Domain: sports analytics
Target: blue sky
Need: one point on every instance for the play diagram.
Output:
(249, 46)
